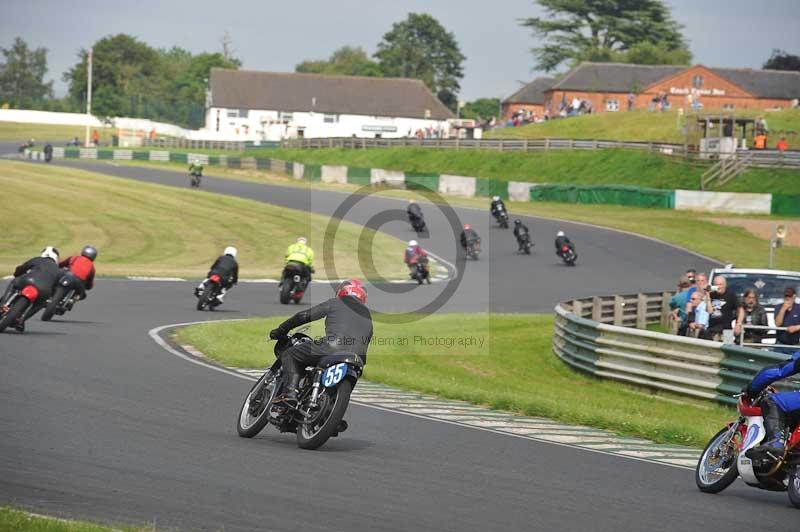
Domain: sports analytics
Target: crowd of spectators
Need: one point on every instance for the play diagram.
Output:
(707, 311)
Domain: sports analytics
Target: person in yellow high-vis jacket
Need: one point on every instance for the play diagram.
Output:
(300, 256)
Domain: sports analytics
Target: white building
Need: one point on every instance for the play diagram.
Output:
(248, 105)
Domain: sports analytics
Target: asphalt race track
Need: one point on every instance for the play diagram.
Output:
(99, 422)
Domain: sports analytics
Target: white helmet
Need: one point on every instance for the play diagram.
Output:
(197, 161)
(412, 243)
(50, 252)
(560, 233)
(495, 198)
(302, 240)
(230, 250)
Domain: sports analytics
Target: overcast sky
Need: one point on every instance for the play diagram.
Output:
(276, 35)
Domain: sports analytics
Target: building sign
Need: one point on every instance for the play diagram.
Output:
(700, 92)
(379, 129)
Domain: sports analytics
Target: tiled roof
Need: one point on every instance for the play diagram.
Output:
(532, 93)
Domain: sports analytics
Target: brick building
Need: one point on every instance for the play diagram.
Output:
(528, 98)
(608, 86)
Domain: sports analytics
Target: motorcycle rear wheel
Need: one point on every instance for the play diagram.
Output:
(703, 469)
(252, 422)
(313, 435)
(204, 298)
(17, 308)
(52, 306)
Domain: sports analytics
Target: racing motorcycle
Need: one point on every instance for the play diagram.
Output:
(207, 297)
(473, 249)
(194, 180)
(568, 255)
(732, 452)
(63, 297)
(418, 223)
(524, 243)
(323, 396)
(501, 216)
(419, 270)
(293, 283)
(17, 305)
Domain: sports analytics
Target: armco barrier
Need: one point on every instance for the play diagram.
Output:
(688, 366)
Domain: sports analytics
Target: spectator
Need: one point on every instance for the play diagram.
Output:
(760, 142)
(782, 145)
(750, 313)
(631, 98)
(696, 316)
(153, 134)
(789, 316)
(95, 137)
(677, 303)
(691, 274)
(721, 305)
(702, 282)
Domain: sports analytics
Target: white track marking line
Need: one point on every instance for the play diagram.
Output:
(526, 433)
(143, 278)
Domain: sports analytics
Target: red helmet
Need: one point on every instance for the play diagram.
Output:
(467, 227)
(352, 287)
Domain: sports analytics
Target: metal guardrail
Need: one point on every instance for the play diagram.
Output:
(173, 142)
(687, 366)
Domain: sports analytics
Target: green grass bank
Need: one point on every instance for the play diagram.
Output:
(19, 521)
(513, 370)
(144, 229)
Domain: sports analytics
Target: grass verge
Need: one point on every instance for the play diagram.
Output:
(514, 370)
(22, 132)
(144, 229)
(16, 520)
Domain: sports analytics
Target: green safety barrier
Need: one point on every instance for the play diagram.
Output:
(263, 164)
(213, 159)
(289, 168)
(178, 157)
(312, 172)
(141, 156)
(605, 194)
(424, 181)
(785, 205)
(72, 153)
(491, 187)
(234, 162)
(359, 176)
(105, 154)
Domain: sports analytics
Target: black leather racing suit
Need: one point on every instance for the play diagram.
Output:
(41, 272)
(348, 327)
(467, 236)
(561, 241)
(227, 268)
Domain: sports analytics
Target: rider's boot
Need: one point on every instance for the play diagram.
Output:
(221, 295)
(289, 397)
(775, 426)
(199, 289)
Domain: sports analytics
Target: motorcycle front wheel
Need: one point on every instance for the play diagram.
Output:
(254, 415)
(794, 486)
(323, 422)
(716, 469)
(286, 292)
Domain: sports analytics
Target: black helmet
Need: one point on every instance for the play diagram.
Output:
(90, 252)
(517, 221)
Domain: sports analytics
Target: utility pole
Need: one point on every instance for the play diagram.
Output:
(88, 94)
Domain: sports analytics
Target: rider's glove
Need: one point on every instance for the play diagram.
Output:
(274, 334)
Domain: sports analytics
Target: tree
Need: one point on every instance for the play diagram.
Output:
(482, 107)
(22, 76)
(419, 47)
(782, 60)
(598, 29)
(346, 61)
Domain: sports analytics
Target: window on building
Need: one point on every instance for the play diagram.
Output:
(612, 105)
(331, 119)
(697, 82)
(286, 117)
(233, 113)
(243, 113)
(728, 106)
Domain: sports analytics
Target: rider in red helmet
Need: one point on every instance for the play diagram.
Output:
(468, 235)
(348, 327)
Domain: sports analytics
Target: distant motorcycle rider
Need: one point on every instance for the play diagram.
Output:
(497, 203)
(48, 152)
(227, 268)
(82, 269)
(302, 255)
(414, 255)
(561, 241)
(348, 327)
(414, 212)
(196, 168)
(779, 407)
(41, 272)
(468, 235)
(520, 231)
